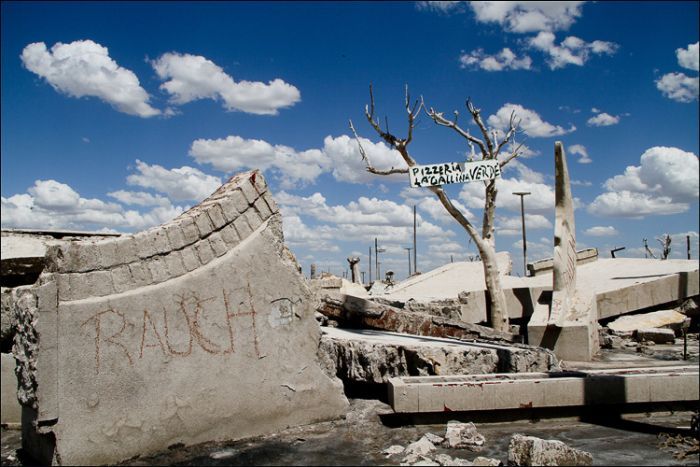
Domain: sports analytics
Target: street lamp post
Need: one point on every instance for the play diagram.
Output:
(522, 195)
(377, 250)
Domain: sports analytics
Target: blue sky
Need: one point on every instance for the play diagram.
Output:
(118, 116)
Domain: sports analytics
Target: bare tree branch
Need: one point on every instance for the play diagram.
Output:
(442, 121)
(368, 164)
(513, 155)
(476, 115)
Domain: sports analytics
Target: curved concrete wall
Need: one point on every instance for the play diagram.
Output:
(199, 329)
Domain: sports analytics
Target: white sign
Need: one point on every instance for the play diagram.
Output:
(453, 172)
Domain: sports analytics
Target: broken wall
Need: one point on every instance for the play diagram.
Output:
(196, 330)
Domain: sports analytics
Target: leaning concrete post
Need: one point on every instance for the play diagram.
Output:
(569, 324)
(355, 269)
(313, 271)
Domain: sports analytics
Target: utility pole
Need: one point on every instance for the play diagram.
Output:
(370, 264)
(415, 250)
(377, 250)
(408, 248)
(522, 195)
(687, 242)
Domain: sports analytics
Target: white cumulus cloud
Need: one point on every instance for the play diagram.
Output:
(179, 184)
(193, 77)
(503, 60)
(84, 68)
(679, 87)
(689, 57)
(581, 151)
(527, 16)
(601, 231)
(603, 119)
(664, 183)
(571, 51)
(530, 122)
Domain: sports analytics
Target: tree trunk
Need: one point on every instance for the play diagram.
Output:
(499, 310)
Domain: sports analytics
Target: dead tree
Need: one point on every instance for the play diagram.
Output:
(490, 149)
(665, 241)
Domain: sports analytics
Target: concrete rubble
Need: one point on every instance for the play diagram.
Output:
(530, 450)
(369, 356)
(157, 329)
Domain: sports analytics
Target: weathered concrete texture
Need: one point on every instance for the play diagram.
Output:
(200, 329)
(6, 323)
(656, 319)
(530, 450)
(657, 336)
(539, 390)
(369, 356)
(358, 312)
(11, 410)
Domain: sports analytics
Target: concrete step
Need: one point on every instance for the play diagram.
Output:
(422, 394)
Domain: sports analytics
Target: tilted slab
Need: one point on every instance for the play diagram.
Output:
(371, 356)
(200, 329)
(543, 390)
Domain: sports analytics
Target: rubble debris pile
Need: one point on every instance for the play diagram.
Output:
(530, 450)
(196, 330)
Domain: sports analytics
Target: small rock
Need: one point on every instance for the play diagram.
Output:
(435, 439)
(392, 450)
(530, 450)
(226, 453)
(444, 459)
(463, 435)
(425, 461)
(417, 450)
(486, 461)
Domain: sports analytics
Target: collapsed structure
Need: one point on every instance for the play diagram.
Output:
(203, 329)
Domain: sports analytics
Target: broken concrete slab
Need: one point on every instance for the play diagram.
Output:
(657, 336)
(540, 390)
(355, 311)
(655, 319)
(370, 356)
(530, 450)
(150, 352)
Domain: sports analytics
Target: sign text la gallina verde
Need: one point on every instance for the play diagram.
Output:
(453, 172)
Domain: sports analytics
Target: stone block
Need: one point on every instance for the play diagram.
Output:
(249, 191)
(100, 282)
(269, 200)
(242, 227)
(126, 249)
(253, 219)
(230, 236)
(262, 208)
(203, 223)
(158, 269)
(189, 258)
(160, 241)
(656, 335)
(63, 284)
(173, 262)
(175, 236)
(145, 247)
(189, 230)
(239, 201)
(204, 251)
(109, 253)
(121, 278)
(228, 208)
(217, 244)
(83, 257)
(216, 214)
(140, 274)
